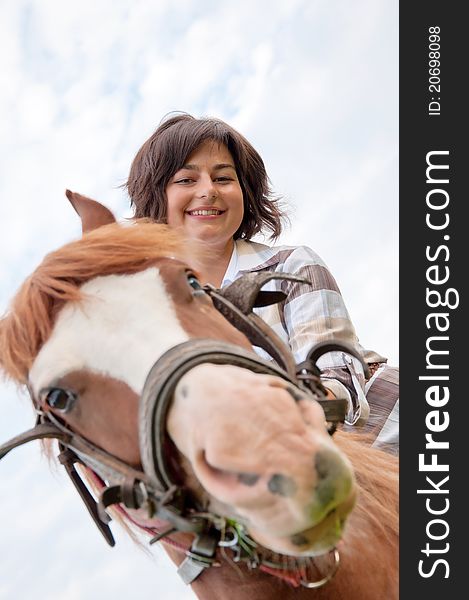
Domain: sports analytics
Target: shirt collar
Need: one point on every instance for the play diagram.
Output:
(249, 256)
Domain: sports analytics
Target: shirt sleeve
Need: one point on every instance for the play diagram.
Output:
(315, 312)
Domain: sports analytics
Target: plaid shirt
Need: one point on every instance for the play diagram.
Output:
(311, 313)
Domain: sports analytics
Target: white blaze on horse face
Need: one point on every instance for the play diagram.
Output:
(121, 327)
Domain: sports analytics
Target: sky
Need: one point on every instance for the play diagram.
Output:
(312, 84)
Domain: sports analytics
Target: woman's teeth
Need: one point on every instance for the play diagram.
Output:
(204, 213)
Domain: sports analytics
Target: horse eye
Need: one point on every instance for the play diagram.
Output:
(59, 399)
(193, 281)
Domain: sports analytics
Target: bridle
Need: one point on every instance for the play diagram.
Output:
(155, 488)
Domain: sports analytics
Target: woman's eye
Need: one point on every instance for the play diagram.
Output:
(184, 180)
(59, 399)
(193, 281)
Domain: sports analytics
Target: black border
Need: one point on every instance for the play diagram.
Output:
(420, 133)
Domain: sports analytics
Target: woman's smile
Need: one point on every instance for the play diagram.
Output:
(205, 213)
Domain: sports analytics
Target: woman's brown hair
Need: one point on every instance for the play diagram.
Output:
(167, 150)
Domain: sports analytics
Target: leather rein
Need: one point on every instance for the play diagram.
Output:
(154, 488)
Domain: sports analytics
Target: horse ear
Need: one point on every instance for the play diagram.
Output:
(92, 213)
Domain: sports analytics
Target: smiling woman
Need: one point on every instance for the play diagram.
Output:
(204, 178)
(199, 165)
(205, 200)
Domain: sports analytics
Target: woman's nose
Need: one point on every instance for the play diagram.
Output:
(206, 188)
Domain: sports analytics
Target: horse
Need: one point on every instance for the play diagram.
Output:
(134, 367)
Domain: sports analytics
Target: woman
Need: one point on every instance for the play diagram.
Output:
(205, 178)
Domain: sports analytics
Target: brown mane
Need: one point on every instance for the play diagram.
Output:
(109, 250)
(377, 474)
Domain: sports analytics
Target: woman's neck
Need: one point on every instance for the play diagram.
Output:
(212, 265)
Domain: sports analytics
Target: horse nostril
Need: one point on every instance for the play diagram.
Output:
(249, 479)
(282, 485)
(334, 479)
(327, 464)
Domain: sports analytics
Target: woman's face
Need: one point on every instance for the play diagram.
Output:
(205, 197)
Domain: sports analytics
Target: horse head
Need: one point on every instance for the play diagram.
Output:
(86, 331)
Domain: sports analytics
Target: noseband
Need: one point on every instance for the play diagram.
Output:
(155, 488)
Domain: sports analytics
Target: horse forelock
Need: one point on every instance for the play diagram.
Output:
(108, 250)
